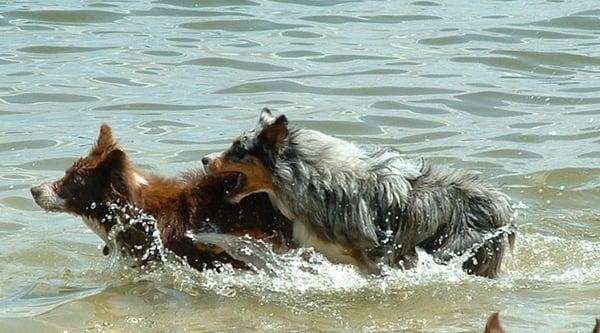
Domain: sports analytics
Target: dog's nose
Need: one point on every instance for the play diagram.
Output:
(205, 160)
(35, 191)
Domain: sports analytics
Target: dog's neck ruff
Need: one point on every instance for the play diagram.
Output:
(339, 190)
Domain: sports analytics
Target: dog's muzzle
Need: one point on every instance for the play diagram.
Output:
(208, 160)
(47, 198)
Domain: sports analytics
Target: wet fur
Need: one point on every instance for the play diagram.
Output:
(111, 195)
(493, 324)
(371, 208)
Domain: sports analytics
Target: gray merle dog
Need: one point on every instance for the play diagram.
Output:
(368, 208)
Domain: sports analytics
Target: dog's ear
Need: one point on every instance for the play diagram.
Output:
(114, 160)
(276, 133)
(493, 324)
(597, 327)
(115, 168)
(266, 117)
(106, 141)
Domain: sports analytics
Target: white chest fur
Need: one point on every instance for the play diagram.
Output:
(96, 226)
(305, 237)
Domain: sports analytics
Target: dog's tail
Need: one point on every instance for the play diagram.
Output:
(248, 250)
(493, 324)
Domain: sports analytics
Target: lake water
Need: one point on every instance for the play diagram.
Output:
(510, 89)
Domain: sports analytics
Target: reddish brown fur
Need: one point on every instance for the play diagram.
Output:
(193, 201)
(198, 204)
(493, 324)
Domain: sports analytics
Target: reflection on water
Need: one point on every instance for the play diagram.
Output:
(508, 89)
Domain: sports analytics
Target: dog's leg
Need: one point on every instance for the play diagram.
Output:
(407, 260)
(381, 256)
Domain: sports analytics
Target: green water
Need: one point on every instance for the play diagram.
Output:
(506, 88)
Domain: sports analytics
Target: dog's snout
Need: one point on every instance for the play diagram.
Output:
(36, 191)
(205, 160)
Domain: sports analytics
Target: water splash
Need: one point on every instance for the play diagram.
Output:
(299, 272)
(307, 274)
(134, 238)
(303, 278)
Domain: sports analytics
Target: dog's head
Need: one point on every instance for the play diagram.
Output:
(252, 156)
(90, 183)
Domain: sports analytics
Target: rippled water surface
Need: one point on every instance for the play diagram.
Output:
(507, 88)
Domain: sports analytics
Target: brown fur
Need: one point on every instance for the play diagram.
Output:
(493, 324)
(192, 201)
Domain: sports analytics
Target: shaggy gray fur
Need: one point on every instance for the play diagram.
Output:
(385, 204)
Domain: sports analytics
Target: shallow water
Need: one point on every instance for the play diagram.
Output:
(506, 88)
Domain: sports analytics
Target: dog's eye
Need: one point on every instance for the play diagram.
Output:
(77, 179)
(238, 149)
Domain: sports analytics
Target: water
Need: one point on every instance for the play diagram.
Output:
(505, 88)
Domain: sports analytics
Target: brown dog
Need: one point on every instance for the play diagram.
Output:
(129, 208)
